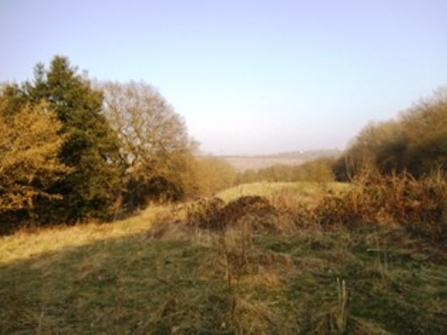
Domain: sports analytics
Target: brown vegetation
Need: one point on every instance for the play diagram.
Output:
(414, 143)
(258, 264)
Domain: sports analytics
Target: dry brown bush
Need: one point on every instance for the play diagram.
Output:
(417, 205)
(214, 214)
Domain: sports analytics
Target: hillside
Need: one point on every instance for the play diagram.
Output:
(248, 264)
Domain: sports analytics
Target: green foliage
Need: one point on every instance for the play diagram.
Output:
(90, 146)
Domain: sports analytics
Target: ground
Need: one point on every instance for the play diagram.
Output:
(263, 272)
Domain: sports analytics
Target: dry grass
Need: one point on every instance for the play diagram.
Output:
(302, 190)
(29, 243)
(165, 273)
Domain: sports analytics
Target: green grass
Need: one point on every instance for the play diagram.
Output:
(119, 279)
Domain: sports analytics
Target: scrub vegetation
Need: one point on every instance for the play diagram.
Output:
(112, 222)
(282, 259)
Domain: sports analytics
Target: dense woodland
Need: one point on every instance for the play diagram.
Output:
(76, 150)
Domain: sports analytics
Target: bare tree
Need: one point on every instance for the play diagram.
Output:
(155, 146)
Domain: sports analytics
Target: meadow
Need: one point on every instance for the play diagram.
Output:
(262, 258)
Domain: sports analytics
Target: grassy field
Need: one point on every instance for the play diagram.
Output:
(170, 270)
(249, 162)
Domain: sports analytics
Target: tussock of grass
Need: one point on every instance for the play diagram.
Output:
(163, 273)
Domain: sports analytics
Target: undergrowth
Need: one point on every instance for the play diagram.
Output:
(343, 260)
(417, 205)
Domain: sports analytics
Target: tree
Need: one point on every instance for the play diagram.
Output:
(90, 145)
(378, 146)
(155, 147)
(213, 174)
(425, 126)
(29, 143)
(415, 143)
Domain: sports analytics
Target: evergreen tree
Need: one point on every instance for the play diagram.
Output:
(91, 147)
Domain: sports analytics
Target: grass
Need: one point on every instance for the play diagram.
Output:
(121, 278)
(302, 190)
(29, 243)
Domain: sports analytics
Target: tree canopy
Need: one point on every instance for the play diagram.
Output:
(154, 144)
(73, 150)
(29, 165)
(90, 146)
(415, 143)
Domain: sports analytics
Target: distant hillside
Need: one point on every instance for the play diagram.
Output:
(246, 162)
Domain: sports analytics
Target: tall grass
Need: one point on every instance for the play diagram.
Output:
(257, 264)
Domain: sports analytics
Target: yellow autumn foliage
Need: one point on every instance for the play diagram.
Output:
(29, 145)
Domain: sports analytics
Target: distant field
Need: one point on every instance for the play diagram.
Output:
(246, 162)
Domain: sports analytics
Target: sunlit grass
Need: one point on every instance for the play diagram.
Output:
(303, 189)
(30, 243)
(120, 278)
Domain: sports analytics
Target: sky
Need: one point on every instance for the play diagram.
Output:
(248, 77)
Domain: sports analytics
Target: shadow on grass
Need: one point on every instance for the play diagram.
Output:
(310, 282)
(126, 285)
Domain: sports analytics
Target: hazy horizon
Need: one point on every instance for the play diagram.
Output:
(249, 77)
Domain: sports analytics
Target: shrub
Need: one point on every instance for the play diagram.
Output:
(419, 206)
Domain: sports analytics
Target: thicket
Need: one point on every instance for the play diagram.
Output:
(419, 206)
(213, 174)
(74, 150)
(414, 143)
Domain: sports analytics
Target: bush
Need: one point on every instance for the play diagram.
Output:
(213, 174)
(419, 206)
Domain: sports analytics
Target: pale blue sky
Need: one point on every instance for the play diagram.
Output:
(248, 76)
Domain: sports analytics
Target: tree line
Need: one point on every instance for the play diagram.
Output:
(315, 170)
(74, 150)
(414, 143)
